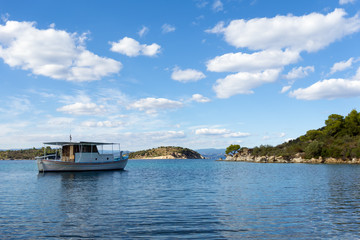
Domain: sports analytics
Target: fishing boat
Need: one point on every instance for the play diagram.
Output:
(80, 156)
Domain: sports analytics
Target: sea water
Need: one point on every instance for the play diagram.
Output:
(174, 199)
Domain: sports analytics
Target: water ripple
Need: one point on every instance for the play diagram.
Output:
(191, 199)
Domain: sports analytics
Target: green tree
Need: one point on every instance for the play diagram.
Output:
(334, 124)
(232, 149)
(311, 135)
(352, 123)
(313, 150)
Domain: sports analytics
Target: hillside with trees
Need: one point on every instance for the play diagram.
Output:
(166, 153)
(339, 138)
(25, 154)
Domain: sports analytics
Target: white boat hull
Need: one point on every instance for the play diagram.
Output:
(59, 166)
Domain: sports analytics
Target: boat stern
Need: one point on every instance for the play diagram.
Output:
(40, 165)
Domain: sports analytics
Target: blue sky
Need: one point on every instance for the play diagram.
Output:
(197, 74)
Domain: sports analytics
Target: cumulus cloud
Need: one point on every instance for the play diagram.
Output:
(243, 82)
(187, 75)
(329, 89)
(299, 72)
(244, 62)
(309, 33)
(152, 105)
(199, 98)
(80, 108)
(52, 53)
(342, 2)
(282, 40)
(211, 131)
(132, 48)
(143, 31)
(341, 66)
(219, 132)
(167, 28)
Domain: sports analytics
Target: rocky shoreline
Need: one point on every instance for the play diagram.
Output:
(246, 157)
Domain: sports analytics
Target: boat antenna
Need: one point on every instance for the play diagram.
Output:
(70, 133)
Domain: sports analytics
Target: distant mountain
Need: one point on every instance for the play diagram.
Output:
(212, 153)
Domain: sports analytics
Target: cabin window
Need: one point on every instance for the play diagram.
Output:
(89, 149)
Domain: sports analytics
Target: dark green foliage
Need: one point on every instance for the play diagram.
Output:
(313, 150)
(334, 124)
(25, 154)
(352, 123)
(339, 138)
(232, 149)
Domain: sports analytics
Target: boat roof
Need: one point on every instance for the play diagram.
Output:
(78, 143)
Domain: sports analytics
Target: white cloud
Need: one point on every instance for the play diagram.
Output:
(243, 82)
(211, 131)
(218, 6)
(52, 53)
(237, 134)
(244, 62)
(341, 66)
(282, 40)
(82, 109)
(152, 105)
(220, 132)
(217, 29)
(299, 72)
(167, 135)
(187, 75)
(108, 124)
(329, 89)
(167, 28)
(199, 98)
(304, 33)
(143, 31)
(285, 89)
(132, 48)
(342, 2)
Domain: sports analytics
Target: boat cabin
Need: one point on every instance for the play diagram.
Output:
(82, 152)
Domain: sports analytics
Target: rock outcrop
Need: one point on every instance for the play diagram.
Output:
(166, 153)
(246, 156)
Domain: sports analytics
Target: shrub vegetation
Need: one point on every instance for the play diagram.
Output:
(339, 138)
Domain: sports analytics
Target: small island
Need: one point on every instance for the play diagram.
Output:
(337, 142)
(169, 152)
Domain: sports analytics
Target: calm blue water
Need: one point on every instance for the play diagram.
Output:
(191, 199)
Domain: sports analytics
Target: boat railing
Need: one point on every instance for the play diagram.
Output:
(53, 157)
